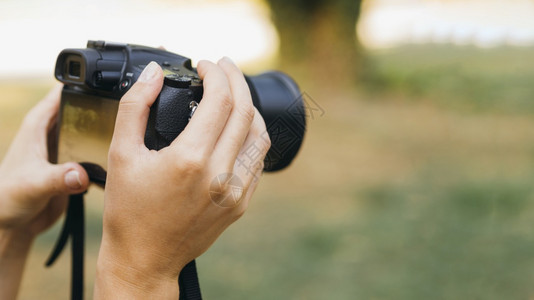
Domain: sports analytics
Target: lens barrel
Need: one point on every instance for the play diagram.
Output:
(279, 100)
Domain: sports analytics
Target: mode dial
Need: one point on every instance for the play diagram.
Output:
(178, 81)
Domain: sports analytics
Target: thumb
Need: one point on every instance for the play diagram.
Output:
(134, 108)
(65, 179)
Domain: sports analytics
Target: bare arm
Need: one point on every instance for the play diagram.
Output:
(14, 248)
(33, 192)
(161, 208)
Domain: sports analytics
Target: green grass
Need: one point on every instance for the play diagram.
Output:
(418, 185)
(470, 240)
(462, 77)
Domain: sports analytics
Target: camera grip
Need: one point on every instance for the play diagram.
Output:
(168, 117)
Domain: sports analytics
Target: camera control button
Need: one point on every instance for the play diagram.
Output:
(177, 81)
(124, 84)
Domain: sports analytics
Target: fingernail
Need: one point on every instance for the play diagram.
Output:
(149, 72)
(72, 180)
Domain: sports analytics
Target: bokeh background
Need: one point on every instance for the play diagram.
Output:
(415, 180)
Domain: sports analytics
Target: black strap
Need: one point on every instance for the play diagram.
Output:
(74, 227)
(188, 281)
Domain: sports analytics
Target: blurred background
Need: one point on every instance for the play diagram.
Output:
(415, 180)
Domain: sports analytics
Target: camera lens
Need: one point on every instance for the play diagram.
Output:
(281, 105)
(74, 69)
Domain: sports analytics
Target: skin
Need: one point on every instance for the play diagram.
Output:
(175, 218)
(160, 206)
(33, 192)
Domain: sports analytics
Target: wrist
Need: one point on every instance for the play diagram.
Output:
(117, 280)
(14, 248)
(14, 241)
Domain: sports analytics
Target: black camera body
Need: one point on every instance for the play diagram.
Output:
(98, 76)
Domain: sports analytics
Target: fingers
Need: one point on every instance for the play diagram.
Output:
(64, 179)
(212, 113)
(246, 170)
(39, 117)
(134, 109)
(243, 204)
(250, 159)
(241, 116)
(37, 123)
(49, 105)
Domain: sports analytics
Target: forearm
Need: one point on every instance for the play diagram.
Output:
(14, 248)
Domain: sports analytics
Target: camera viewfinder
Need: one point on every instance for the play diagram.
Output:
(74, 68)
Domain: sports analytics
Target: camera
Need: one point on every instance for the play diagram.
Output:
(96, 77)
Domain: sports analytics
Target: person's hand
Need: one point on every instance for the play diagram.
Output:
(165, 208)
(32, 190)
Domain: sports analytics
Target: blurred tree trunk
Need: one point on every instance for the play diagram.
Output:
(318, 40)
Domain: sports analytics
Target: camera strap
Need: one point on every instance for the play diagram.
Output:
(74, 227)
